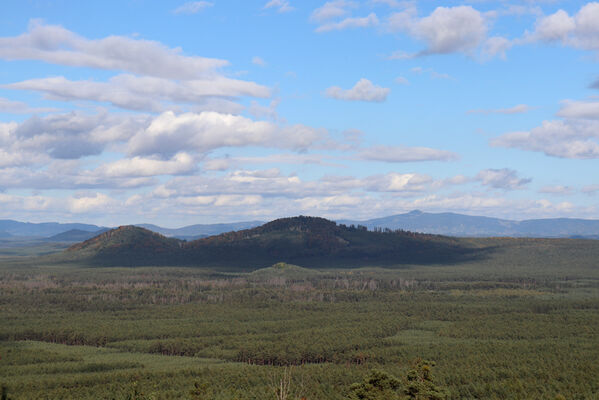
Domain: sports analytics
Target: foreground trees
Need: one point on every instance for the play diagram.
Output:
(418, 384)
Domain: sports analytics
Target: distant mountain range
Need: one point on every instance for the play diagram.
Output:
(9, 228)
(472, 226)
(198, 231)
(417, 221)
(307, 241)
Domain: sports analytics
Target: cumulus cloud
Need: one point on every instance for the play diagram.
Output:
(363, 90)
(517, 109)
(332, 9)
(590, 189)
(350, 23)
(89, 203)
(502, 179)
(147, 93)
(579, 109)
(57, 45)
(557, 190)
(554, 27)
(496, 46)
(446, 30)
(564, 139)
(180, 163)
(69, 136)
(282, 6)
(192, 7)
(580, 30)
(17, 107)
(395, 182)
(402, 154)
(169, 133)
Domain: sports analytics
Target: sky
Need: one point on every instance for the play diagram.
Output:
(180, 113)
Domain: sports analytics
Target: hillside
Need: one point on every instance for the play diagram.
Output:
(126, 246)
(305, 241)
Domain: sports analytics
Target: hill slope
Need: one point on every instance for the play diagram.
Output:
(305, 241)
(126, 246)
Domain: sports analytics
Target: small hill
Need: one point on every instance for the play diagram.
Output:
(305, 241)
(283, 270)
(128, 246)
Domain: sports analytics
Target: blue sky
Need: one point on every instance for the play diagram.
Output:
(180, 112)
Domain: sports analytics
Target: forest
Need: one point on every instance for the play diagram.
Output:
(521, 322)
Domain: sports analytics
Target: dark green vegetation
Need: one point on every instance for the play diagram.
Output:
(308, 241)
(518, 321)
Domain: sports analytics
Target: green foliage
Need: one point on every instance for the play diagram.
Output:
(378, 385)
(520, 323)
(201, 391)
(420, 383)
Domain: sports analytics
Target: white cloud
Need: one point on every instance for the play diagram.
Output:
(580, 31)
(363, 90)
(590, 189)
(18, 107)
(180, 163)
(258, 61)
(147, 93)
(432, 73)
(557, 190)
(517, 109)
(496, 46)
(88, 203)
(69, 136)
(554, 27)
(331, 10)
(350, 23)
(400, 80)
(565, 139)
(579, 109)
(57, 45)
(501, 179)
(395, 182)
(193, 7)
(282, 6)
(169, 133)
(401, 154)
(446, 30)
(389, 3)
(260, 111)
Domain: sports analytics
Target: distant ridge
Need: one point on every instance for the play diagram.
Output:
(474, 226)
(192, 232)
(450, 224)
(75, 235)
(304, 241)
(43, 229)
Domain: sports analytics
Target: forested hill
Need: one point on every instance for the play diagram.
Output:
(306, 241)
